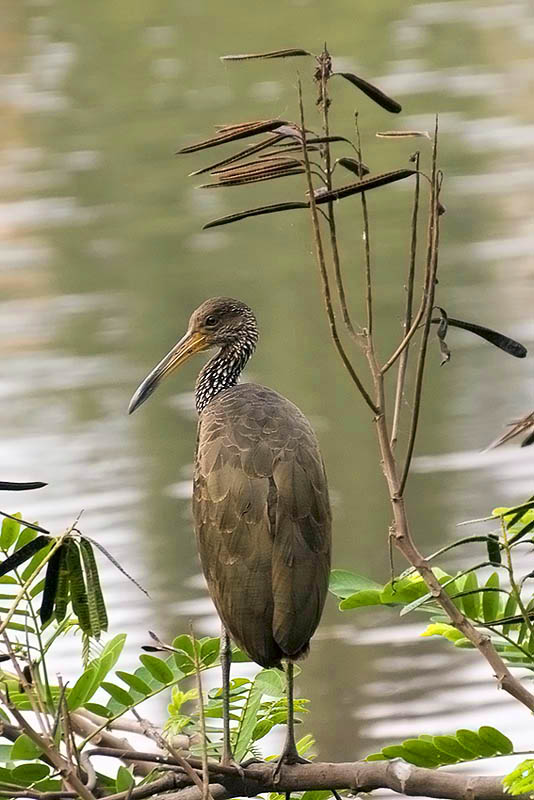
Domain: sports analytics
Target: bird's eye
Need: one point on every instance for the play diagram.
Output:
(211, 321)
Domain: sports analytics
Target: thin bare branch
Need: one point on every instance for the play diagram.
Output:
(323, 270)
(323, 74)
(429, 291)
(401, 374)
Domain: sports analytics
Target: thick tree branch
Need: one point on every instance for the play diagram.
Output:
(358, 776)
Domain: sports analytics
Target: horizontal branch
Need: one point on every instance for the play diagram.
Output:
(358, 776)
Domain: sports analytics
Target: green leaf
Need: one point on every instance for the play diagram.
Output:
(26, 535)
(443, 629)
(29, 773)
(510, 610)
(209, 651)
(109, 656)
(5, 753)
(367, 597)
(497, 740)
(248, 722)
(10, 531)
(344, 583)
(134, 682)
(98, 709)
(157, 668)
(451, 747)
(490, 600)
(37, 559)
(471, 602)
(24, 749)
(470, 740)
(119, 694)
(124, 779)
(83, 689)
(521, 779)
(185, 644)
(271, 682)
(261, 729)
(425, 752)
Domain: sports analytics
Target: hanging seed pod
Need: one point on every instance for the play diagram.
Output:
(254, 212)
(288, 53)
(443, 327)
(248, 151)
(373, 92)
(362, 186)
(495, 338)
(233, 133)
(402, 134)
(10, 486)
(50, 586)
(353, 165)
(78, 591)
(494, 550)
(97, 606)
(62, 591)
(23, 554)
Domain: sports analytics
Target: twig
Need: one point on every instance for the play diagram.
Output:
(49, 751)
(205, 774)
(323, 73)
(85, 727)
(367, 246)
(429, 291)
(154, 734)
(516, 593)
(401, 374)
(322, 267)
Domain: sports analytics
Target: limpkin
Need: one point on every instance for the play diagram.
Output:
(260, 501)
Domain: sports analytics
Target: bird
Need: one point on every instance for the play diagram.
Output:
(261, 505)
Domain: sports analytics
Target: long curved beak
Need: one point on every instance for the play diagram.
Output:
(188, 345)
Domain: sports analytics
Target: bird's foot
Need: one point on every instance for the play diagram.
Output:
(289, 757)
(227, 760)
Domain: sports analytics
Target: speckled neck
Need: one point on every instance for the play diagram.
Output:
(223, 371)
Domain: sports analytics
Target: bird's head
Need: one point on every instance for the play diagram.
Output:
(219, 322)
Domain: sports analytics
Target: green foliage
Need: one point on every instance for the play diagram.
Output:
(436, 751)
(492, 603)
(521, 779)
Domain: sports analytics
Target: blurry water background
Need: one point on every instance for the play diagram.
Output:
(103, 259)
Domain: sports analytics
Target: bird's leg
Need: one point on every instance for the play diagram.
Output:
(290, 754)
(226, 661)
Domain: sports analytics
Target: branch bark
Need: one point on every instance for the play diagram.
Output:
(358, 776)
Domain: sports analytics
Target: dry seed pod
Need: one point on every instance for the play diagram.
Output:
(248, 151)
(288, 53)
(402, 134)
(362, 186)
(373, 92)
(233, 133)
(254, 212)
(495, 338)
(353, 165)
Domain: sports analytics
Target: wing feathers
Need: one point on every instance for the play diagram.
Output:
(263, 522)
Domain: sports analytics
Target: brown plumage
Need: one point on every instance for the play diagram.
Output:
(262, 519)
(260, 495)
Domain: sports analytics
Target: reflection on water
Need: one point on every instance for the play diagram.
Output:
(103, 259)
